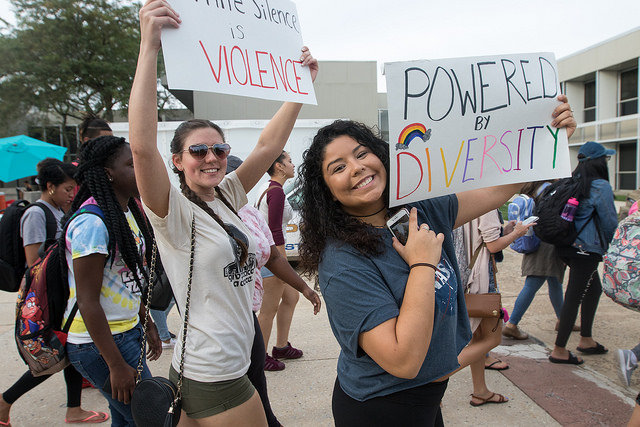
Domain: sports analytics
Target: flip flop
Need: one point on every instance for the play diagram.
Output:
(598, 349)
(572, 360)
(94, 418)
(6, 424)
(493, 368)
(501, 399)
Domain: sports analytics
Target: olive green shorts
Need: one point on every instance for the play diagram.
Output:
(201, 400)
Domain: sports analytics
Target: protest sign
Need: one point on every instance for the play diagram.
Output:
(238, 47)
(466, 123)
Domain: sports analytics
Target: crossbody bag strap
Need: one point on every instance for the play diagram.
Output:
(154, 253)
(262, 195)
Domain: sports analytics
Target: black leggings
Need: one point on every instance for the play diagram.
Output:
(28, 382)
(419, 407)
(584, 288)
(256, 373)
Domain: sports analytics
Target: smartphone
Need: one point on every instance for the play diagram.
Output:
(399, 225)
(529, 220)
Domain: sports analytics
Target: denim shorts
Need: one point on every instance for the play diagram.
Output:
(265, 272)
(201, 400)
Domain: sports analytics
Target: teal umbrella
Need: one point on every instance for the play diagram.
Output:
(20, 154)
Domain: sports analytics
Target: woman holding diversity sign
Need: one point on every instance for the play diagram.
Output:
(396, 310)
(220, 329)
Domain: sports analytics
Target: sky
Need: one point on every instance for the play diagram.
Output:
(400, 30)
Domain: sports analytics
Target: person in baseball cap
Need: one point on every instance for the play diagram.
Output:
(592, 150)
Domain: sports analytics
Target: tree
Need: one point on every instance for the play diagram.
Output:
(67, 57)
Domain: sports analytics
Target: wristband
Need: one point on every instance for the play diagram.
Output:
(423, 264)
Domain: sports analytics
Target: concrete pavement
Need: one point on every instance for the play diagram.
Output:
(540, 393)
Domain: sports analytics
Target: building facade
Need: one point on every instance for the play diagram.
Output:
(602, 85)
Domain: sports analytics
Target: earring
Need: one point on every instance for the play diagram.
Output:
(51, 192)
(110, 179)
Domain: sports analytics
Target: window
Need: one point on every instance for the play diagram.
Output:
(590, 101)
(627, 166)
(628, 92)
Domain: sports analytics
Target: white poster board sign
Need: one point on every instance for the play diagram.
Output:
(466, 123)
(238, 47)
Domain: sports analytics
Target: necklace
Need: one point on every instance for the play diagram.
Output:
(365, 216)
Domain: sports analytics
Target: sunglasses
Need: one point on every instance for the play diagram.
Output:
(199, 151)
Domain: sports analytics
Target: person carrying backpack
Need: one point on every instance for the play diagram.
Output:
(542, 265)
(56, 182)
(596, 220)
(106, 262)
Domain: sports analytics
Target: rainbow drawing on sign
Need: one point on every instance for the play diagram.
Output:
(410, 132)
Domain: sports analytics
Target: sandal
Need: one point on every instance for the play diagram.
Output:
(5, 424)
(94, 418)
(492, 366)
(598, 349)
(572, 360)
(501, 399)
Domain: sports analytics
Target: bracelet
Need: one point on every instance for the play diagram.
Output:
(423, 264)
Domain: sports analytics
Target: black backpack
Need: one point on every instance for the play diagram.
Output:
(13, 262)
(551, 228)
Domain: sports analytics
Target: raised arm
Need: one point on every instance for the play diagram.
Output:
(275, 135)
(151, 174)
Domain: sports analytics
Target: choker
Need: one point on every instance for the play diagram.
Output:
(365, 216)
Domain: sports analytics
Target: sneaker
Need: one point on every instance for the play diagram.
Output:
(514, 332)
(287, 352)
(86, 383)
(628, 363)
(172, 335)
(169, 344)
(271, 364)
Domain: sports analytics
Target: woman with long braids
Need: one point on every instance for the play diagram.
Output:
(397, 310)
(220, 330)
(107, 256)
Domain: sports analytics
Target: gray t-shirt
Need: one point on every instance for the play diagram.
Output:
(362, 292)
(33, 224)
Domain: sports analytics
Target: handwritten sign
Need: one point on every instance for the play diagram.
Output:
(238, 47)
(466, 123)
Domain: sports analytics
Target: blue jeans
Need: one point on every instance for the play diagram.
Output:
(87, 360)
(531, 286)
(160, 319)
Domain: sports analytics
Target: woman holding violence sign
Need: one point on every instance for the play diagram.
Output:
(220, 328)
(396, 310)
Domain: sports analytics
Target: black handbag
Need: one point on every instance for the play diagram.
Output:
(156, 401)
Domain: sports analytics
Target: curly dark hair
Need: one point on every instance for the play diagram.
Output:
(94, 155)
(177, 145)
(53, 171)
(322, 217)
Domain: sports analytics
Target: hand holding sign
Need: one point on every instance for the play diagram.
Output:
(153, 16)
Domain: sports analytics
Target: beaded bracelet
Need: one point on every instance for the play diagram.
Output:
(423, 264)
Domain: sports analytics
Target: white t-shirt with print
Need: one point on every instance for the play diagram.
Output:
(120, 296)
(220, 331)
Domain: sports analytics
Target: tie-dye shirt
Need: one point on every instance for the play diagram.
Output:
(120, 295)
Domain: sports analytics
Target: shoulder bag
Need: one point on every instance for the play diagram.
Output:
(487, 305)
